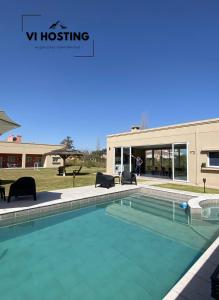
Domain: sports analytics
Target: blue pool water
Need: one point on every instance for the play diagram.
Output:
(117, 251)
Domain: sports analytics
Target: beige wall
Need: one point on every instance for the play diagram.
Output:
(49, 161)
(200, 136)
(31, 148)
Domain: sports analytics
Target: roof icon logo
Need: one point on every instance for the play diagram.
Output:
(57, 24)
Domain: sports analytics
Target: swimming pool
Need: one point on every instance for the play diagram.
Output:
(134, 247)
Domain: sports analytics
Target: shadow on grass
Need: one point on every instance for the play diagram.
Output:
(70, 174)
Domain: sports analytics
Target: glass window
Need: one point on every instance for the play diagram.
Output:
(56, 160)
(213, 159)
(29, 159)
(148, 161)
(166, 169)
(126, 159)
(11, 159)
(117, 160)
(180, 162)
(157, 162)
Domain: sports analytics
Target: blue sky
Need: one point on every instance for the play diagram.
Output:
(160, 58)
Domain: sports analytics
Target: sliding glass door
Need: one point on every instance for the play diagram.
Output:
(126, 159)
(122, 160)
(149, 161)
(180, 161)
(169, 161)
(158, 162)
(117, 161)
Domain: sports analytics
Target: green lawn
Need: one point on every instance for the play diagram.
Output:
(188, 188)
(47, 179)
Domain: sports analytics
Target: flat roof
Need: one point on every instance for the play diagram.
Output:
(194, 123)
(30, 143)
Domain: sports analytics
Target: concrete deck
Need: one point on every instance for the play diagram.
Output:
(59, 196)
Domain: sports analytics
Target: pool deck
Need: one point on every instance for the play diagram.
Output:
(60, 196)
(195, 284)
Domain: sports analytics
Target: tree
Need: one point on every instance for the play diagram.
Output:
(68, 142)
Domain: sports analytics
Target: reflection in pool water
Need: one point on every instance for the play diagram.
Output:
(211, 213)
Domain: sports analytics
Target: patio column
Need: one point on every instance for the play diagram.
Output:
(23, 160)
(121, 159)
(130, 159)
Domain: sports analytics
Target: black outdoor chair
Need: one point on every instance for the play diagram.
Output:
(128, 177)
(61, 170)
(22, 187)
(2, 193)
(103, 180)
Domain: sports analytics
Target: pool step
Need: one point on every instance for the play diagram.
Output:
(174, 230)
(166, 209)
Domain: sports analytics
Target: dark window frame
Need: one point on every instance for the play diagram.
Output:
(213, 158)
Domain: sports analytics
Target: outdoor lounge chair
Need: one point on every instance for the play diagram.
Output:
(128, 177)
(22, 187)
(103, 180)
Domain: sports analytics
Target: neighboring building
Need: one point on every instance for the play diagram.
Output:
(185, 152)
(15, 154)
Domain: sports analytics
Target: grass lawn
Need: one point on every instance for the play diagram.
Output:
(188, 188)
(47, 179)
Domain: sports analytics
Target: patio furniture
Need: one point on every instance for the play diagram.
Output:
(2, 192)
(77, 171)
(118, 178)
(22, 187)
(61, 171)
(128, 178)
(103, 180)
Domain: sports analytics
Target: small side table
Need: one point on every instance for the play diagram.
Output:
(118, 178)
(2, 193)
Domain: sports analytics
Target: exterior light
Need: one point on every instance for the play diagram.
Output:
(204, 181)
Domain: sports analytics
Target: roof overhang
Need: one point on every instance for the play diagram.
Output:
(6, 123)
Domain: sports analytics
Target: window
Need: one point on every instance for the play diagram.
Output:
(180, 161)
(213, 159)
(117, 160)
(29, 159)
(55, 160)
(11, 159)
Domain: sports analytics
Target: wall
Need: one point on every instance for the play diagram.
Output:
(31, 149)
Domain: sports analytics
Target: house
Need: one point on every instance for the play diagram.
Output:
(185, 152)
(16, 154)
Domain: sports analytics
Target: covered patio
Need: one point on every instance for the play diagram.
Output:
(169, 161)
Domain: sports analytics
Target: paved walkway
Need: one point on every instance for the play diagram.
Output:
(59, 196)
